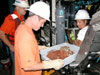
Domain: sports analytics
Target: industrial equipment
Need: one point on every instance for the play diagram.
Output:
(60, 24)
(87, 60)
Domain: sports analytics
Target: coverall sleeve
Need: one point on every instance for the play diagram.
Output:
(8, 25)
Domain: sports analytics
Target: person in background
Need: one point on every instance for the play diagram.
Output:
(27, 58)
(7, 29)
(82, 19)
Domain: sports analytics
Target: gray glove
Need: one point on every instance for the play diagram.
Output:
(56, 64)
(42, 47)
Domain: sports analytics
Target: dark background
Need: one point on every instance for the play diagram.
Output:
(4, 10)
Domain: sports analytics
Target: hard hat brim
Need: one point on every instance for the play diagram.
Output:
(35, 13)
(24, 6)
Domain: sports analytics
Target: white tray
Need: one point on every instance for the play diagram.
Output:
(67, 60)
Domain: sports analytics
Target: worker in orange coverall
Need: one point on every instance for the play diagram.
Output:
(27, 58)
(7, 29)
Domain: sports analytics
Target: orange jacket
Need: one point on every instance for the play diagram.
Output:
(10, 24)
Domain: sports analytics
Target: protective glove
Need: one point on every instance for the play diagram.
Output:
(56, 64)
(72, 36)
(42, 47)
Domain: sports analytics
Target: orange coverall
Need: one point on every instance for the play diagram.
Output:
(26, 51)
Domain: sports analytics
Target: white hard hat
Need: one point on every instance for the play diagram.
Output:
(82, 14)
(41, 9)
(21, 3)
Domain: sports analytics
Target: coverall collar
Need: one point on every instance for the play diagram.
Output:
(20, 17)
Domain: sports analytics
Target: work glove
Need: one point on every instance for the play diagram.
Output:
(72, 36)
(56, 64)
(42, 47)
